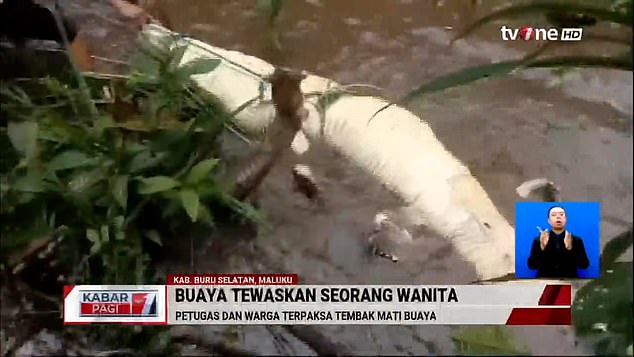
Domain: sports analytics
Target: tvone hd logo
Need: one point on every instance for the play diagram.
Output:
(527, 33)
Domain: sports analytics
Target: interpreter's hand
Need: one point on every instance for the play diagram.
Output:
(543, 237)
(568, 240)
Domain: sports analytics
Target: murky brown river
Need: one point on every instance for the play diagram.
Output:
(577, 133)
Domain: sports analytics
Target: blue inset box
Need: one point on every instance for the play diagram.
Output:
(557, 240)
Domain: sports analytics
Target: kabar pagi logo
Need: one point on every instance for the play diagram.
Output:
(528, 33)
(103, 303)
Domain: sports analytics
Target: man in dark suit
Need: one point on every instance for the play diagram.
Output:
(557, 253)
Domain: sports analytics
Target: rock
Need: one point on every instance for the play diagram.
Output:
(387, 237)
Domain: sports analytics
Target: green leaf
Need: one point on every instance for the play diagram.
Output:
(191, 203)
(602, 310)
(69, 160)
(245, 210)
(95, 248)
(120, 190)
(615, 248)
(32, 182)
(26, 197)
(145, 160)
(473, 74)
(102, 123)
(105, 233)
(486, 340)
(118, 228)
(92, 235)
(120, 235)
(168, 140)
(154, 237)
(144, 63)
(615, 62)
(23, 136)
(464, 76)
(198, 66)
(176, 57)
(58, 129)
(117, 222)
(156, 184)
(210, 190)
(17, 94)
(84, 180)
(133, 146)
(117, 225)
(201, 170)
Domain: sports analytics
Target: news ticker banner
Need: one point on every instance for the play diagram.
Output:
(249, 299)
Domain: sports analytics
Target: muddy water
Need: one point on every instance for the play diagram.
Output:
(577, 133)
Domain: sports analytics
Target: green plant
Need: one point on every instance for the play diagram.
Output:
(140, 172)
(602, 310)
(113, 171)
